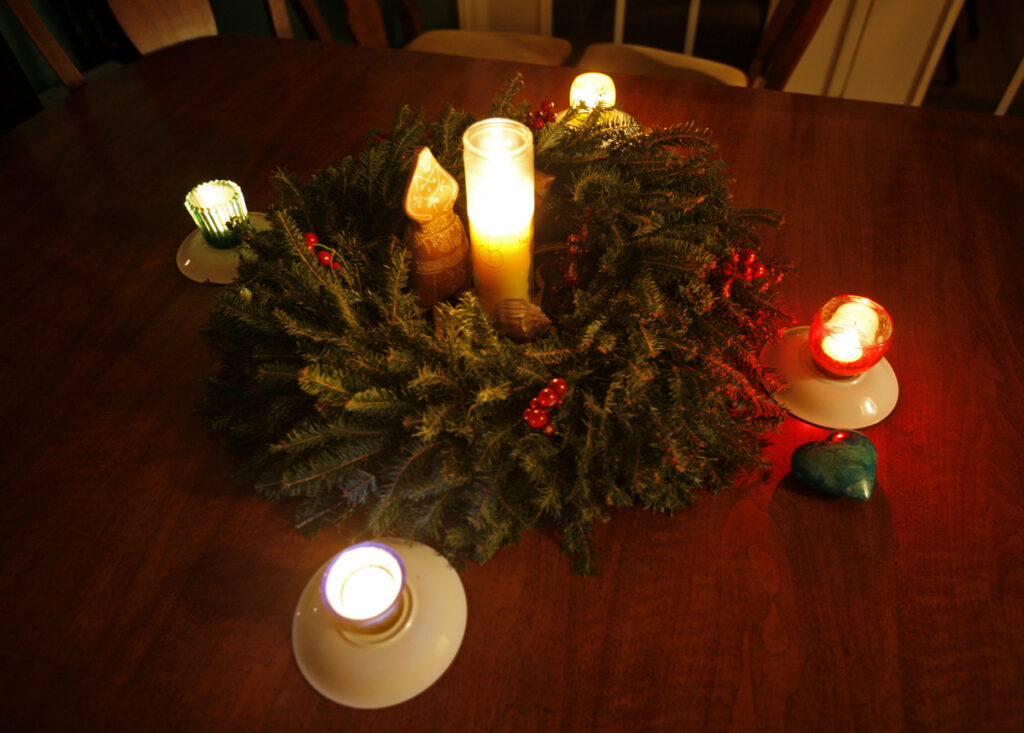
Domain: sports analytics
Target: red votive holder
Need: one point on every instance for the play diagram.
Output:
(849, 335)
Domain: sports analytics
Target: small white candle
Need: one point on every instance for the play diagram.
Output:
(498, 156)
(592, 89)
(363, 582)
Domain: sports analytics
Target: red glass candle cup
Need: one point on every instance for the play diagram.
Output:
(849, 335)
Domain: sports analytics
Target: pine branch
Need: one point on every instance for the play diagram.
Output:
(344, 394)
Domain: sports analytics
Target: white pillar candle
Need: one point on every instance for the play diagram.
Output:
(498, 157)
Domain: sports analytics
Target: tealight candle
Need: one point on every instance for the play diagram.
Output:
(498, 157)
(849, 335)
(363, 585)
(591, 90)
(213, 205)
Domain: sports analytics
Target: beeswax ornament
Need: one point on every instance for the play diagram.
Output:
(436, 235)
(843, 464)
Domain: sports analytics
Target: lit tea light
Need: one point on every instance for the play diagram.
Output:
(849, 335)
(363, 584)
(835, 372)
(498, 157)
(843, 346)
(591, 90)
(213, 206)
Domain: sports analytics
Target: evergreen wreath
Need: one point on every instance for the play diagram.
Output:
(344, 395)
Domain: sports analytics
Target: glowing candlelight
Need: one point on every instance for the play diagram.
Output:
(591, 90)
(213, 205)
(363, 584)
(498, 156)
(849, 335)
(843, 346)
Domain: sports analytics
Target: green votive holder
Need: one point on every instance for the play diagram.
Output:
(213, 205)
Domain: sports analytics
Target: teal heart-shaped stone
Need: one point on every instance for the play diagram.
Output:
(843, 464)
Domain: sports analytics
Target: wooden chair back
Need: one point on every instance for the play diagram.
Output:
(785, 38)
(367, 23)
(367, 26)
(307, 10)
(156, 24)
(48, 46)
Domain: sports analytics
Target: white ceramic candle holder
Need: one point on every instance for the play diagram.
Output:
(820, 399)
(835, 372)
(391, 657)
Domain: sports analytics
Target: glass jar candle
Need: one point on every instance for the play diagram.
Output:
(498, 157)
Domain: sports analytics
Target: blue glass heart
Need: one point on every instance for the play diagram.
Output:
(843, 464)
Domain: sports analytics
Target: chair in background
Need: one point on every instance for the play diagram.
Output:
(627, 58)
(48, 46)
(155, 24)
(786, 36)
(1011, 90)
(367, 26)
(309, 13)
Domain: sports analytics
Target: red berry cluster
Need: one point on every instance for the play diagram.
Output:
(324, 256)
(742, 265)
(542, 116)
(537, 415)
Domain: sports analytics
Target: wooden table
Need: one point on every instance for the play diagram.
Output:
(143, 590)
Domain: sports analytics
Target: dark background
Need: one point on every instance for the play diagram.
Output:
(980, 58)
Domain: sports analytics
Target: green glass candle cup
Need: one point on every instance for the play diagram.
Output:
(213, 205)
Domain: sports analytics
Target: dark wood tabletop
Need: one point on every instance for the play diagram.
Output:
(143, 589)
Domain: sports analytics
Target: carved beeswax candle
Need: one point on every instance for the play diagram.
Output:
(498, 156)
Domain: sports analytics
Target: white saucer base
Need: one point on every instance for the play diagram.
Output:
(202, 263)
(840, 404)
(378, 671)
